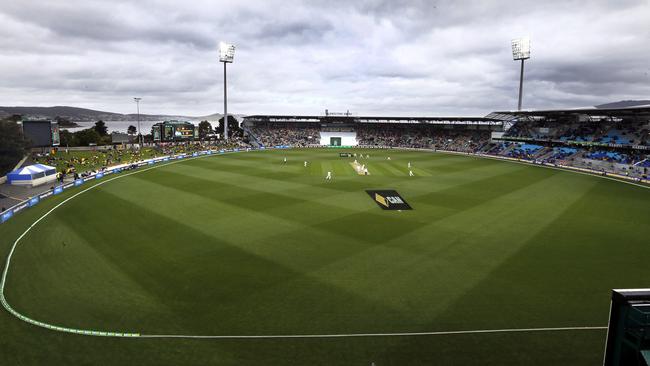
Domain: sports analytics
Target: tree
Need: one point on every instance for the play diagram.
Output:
(131, 130)
(64, 122)
(105, 140)
(87, 136)
(233, 125)
(12, 145)
(100, 127)
(67, 138)
(205, 128)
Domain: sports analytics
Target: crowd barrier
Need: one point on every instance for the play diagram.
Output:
(33, 201)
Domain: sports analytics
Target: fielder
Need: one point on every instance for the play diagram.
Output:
(328, 176)
(410, 173)
(305, 163)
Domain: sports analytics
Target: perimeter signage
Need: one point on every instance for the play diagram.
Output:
(6, 216)
(389, 200)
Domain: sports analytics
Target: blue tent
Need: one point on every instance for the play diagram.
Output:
(32, 175)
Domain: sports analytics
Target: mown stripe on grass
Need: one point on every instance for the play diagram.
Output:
(91, 332)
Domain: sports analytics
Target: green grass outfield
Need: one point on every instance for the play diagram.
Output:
(242, 244)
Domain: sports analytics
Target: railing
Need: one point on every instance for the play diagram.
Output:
(250, 133)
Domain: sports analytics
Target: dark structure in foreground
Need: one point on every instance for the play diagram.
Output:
(628, 333)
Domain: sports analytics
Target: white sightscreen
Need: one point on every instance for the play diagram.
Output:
(347, 138)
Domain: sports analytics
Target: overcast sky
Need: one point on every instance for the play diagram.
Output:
(300, 57)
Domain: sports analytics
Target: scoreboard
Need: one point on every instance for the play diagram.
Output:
(41, 133)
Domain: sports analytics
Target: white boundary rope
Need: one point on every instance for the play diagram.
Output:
(367, 335)
(22, 317)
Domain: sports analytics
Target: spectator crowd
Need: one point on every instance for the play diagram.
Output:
(293, 134)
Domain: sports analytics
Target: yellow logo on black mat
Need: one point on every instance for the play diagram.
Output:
(381, 199)
(389, 199)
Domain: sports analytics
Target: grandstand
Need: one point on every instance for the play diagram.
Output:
(606, 140)
(613, 140)
(466, 134)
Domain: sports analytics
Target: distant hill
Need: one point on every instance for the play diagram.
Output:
(624, 104)
(87, 115)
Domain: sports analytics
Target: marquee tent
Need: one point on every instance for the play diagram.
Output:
(32, 175)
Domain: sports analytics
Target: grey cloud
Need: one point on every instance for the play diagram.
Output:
(371, 56)
(615, 71)
(298, 31)
(105, 23)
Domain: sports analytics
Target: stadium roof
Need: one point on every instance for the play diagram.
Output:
(374, 119)
(33, 169)
(642, 111)
(173, 122)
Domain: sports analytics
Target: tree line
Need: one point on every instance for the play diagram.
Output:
(13, 145)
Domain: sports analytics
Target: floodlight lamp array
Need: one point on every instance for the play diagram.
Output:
(226, 52)
(521, 48)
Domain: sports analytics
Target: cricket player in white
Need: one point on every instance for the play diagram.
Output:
(305, 163)
(329, 176)
(409, 165)
(410, 173)
(285, 159)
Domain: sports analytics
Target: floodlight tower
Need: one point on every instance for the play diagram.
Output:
(521, 51)
(226, 55)
(137, 103)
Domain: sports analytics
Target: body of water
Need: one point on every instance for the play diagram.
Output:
(122, 126)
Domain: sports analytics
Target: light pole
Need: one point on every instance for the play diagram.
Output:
(137, 103)
(226, 55)
(521, 51)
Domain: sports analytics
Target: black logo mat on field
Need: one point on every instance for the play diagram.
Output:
(389, 200)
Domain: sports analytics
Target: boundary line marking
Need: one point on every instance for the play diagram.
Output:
(368, 335)
(26, 319)
(3, 281)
